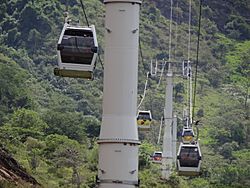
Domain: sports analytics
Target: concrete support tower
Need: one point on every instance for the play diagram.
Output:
(167, 156)
(118, 141)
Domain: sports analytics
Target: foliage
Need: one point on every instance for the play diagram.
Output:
(146, 150)
(51, 124)
(13, 93)
(239, 63)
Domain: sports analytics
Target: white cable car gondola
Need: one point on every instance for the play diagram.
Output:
(189, 159)
(144, 119)
(186, 69)
(157, 157)
(187, 135)
(77, 52)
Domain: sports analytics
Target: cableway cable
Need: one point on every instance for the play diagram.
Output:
(170, 44)
(197, 130)
(142, 59)
(146, 82)
(197, 56)
(85, 15)
(189, 28)
(189, 68)
(187, 73)
(170, 32)
(87, 21)
(144, 92)
(162, 70)
(176, 31)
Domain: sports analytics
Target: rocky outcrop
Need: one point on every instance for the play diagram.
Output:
(12, 171)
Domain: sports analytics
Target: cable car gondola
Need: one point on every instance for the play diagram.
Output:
(189, 159)
(77, 52)
(144, 119)
(186, 68)
(187, 135)
(157, 157)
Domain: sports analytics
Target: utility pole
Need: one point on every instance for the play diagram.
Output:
(118, 140)
(167, 156)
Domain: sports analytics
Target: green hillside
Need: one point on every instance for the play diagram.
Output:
(46, 121)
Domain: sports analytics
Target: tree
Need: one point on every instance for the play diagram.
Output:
(34, 149)
(23, 123)
(237, 27)
(34, 40)
(69, 124)
(65, 152)
(226, 150)
(13, 90)
(238, 60)
(145, 151)
(92, 126)
(179, 89)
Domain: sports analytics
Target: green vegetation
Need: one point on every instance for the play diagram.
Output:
(51, 124)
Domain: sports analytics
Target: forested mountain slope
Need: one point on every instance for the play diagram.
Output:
(47, 121)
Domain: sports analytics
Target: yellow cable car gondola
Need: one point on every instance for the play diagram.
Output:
(189, 159)
(144, 119)
(187, 135)
(77, 52)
